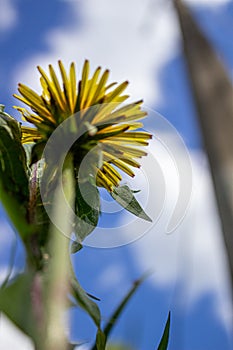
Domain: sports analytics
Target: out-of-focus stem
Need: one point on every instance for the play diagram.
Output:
(213, 94)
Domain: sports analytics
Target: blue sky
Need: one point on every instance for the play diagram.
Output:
(139, 42)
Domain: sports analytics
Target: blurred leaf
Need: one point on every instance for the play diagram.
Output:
(15, 302)
(85, 302)
(165, 337)
(124, 196)
(121, 306)
(100, 340)
(87, 205)
(118, 347)
(13, 159)
(73, 346)
(14, 187)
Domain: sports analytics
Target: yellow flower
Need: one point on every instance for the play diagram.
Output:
(112, 126)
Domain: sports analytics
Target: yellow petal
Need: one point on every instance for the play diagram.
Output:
(73, 86)
(53, 87)
(111, 157)
(116, 92)
(102, 180)
(136, 134)
(45, 91)
(111, 174)
(113, 129)
(66, 86)
(119, 141)
(27, 115)
(57, 86)
(111, 102)
(121, 165)
(91, 88)
(132, 151)
(33, 100)
(29, 135)
(84, 84)
(100, 87)
(130, 161)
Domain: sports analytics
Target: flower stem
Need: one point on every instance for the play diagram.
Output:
(56, 301)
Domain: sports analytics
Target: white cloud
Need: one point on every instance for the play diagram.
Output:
(11, 337)
(134, 45)
(112, 277)
(8, 15)
(191, 259)
(193, 254)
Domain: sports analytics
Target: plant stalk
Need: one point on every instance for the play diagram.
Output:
(58, 271)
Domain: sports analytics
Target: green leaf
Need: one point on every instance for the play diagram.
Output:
(11, 124)
(14, 183)
(121, 306)
(100, 340)
(165, 337)
(85, 302)
(87, 207)
(15, 302)
(13, 166)
(75, 247)
(124, 196)
(37, 152)
(114, 346)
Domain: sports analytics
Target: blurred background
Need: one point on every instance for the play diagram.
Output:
(139, 41)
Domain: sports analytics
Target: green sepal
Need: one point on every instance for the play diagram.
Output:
(124, 196)
(85, 302)
(87, 209)
(165, 337)
(75, 247)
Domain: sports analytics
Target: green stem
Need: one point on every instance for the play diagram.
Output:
(58, 282)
